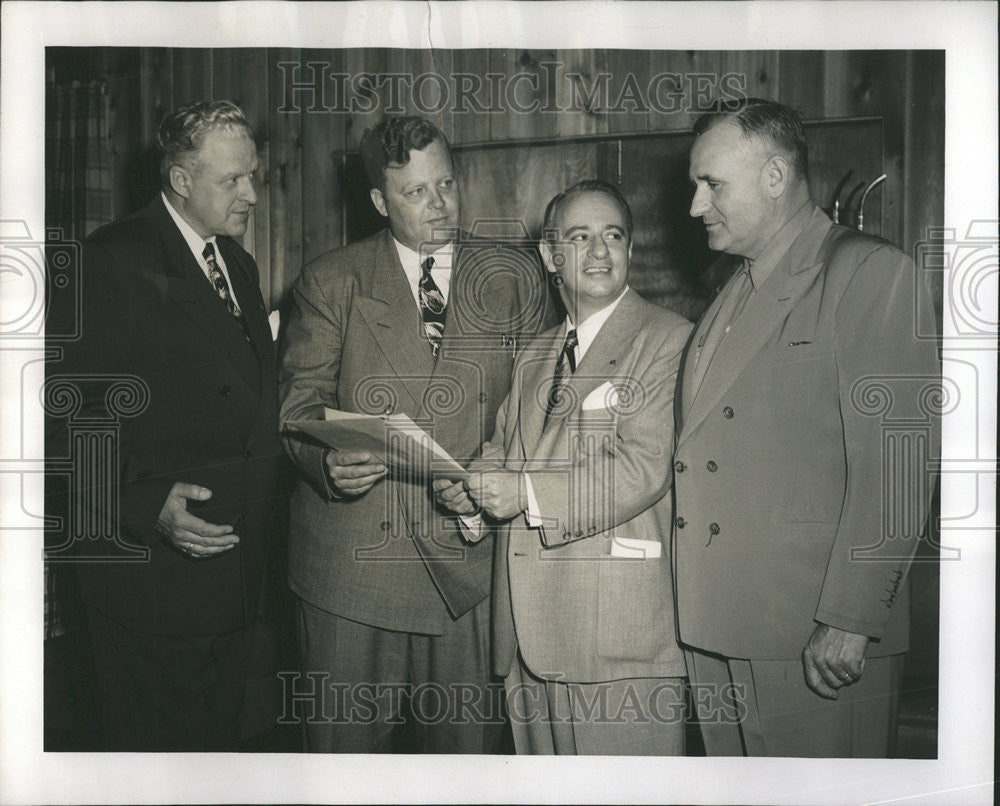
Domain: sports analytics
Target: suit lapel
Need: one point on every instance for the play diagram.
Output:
(612, 343)
(392, 315)
(763, 314)
(189, 289)
(535, 382)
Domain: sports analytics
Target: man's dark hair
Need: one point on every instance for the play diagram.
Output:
(549, 228)
(182, 132)
(391, 141)
(776, 123)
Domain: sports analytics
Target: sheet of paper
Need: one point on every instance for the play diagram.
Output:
(395, 440)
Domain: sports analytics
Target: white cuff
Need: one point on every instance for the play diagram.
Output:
(533, 514)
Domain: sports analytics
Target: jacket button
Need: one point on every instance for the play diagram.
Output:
(579, 532)
(387, 409)
(224, 390)
(482, 397)
(385, 526)
(592, 530)
(713, 528)
(679, 466)
(680, 522)
(712, 466)
(567, 535)
(728, 412)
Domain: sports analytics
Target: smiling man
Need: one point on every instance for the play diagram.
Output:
(576, 480)
(171, 305)
(416, 320)
(795, 521)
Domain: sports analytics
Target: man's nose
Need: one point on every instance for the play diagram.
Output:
(248, 193)
(598, 248)
(435, 199)
(699, 203)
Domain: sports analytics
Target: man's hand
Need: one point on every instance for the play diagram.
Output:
(501, 493)
(352, 473)
(454, 496)
(833, 658)
(189, 533)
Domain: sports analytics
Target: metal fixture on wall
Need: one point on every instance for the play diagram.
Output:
(861, 206)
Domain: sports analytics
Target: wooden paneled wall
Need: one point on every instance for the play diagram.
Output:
(301, 133)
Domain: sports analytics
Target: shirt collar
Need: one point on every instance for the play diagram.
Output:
(588, 329)
(412, 261)
(194, 241)
(765, 264)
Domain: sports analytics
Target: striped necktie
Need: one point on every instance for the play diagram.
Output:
(565, 366)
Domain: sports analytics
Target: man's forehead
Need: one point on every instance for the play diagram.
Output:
(591, 209)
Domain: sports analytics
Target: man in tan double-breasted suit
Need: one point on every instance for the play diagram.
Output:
(797, 516)
(578, 475)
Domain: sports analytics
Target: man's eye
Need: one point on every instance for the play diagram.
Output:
(714, 185)
(614, 236)
(580, 236)
(414, 194)
(447, 183)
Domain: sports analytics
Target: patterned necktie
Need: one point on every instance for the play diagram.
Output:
(432, 306)
(565, 366)
(222, 288)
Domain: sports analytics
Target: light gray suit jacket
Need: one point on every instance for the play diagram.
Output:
(354, 341)
(599, 472)
(794, 503)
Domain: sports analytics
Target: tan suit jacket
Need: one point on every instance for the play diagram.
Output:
(599, 473)
(795, 502)
(354, 341)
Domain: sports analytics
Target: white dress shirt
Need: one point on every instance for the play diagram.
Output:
(440, 271)
(197, 245)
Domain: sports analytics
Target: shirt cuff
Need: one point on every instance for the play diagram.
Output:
(474, 523)
(534, 516)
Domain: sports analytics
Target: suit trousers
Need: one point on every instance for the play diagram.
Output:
(365, 687)
(166, 692)
(633, 717)
(765, 708)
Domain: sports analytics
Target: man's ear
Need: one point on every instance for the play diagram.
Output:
(776, 172)
(180, 181)
(379, 201)
(547, 259)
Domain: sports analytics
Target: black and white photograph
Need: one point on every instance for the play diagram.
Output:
(396, 391)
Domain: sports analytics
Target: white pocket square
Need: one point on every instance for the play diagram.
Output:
(604, 396)
(635, 548)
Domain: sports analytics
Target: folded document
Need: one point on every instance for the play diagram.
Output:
(394, 439)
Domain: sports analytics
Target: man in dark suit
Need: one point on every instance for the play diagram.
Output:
(797, 517)
(415, 320)
(173, 311)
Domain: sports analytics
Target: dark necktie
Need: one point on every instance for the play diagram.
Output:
(432, 306)
(222, 288)
(565, 366)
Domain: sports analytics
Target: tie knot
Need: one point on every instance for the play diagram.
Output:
(209, 251)
(571, 340)
(427, 265)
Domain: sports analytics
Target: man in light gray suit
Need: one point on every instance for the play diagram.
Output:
(416, 320)
(578, 474)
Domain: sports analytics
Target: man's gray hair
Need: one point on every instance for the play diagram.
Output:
(182, 132)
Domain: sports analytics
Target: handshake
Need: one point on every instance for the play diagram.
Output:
(501, 494)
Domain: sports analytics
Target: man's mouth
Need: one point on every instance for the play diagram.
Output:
(597, 270)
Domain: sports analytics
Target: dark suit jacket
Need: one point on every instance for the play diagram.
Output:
(211, 418)
(794, 506)
(577, 603)
(354, 341)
